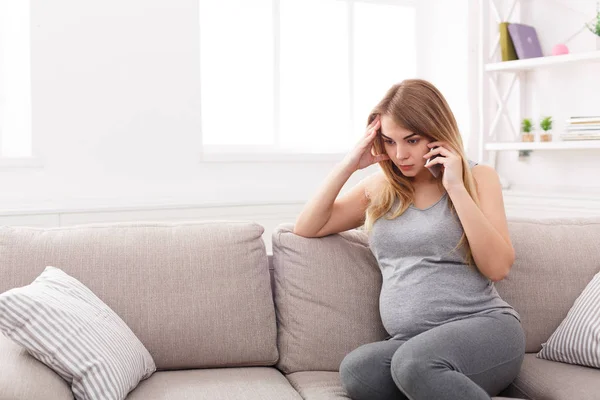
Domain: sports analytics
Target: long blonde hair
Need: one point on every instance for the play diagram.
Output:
(418, 106)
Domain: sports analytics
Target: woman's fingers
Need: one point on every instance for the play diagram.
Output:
(372, 125)
(372, 132)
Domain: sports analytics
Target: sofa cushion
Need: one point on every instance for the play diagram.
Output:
(23, 377)
(323, 385)
(326, 296)
(196, 294)
(318, 385)
(577, 339)
(543, 379)
(555, 259)
(65, 326)
(253, 383)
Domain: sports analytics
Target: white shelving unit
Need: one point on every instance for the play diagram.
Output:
(558, 145)
(543, 62)
(515, 71)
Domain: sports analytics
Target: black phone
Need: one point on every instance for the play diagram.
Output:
(436, 169)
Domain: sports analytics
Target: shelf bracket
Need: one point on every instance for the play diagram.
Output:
(524, 153)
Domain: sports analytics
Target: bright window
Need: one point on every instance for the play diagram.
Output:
(285, 76)
(15, 79)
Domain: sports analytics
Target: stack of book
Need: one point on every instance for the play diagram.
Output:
(582, 128)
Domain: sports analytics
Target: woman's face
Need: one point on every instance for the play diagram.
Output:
(405, 149)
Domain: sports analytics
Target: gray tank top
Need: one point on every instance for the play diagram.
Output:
(426, 282)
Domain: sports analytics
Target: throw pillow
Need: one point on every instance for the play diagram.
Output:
(577, 338)
(67, 327)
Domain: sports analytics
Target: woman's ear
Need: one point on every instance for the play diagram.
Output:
(376, 147)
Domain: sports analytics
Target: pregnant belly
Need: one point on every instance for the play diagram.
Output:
(407, 314)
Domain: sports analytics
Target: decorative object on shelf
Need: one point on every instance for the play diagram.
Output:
(525, 40)
(560, 49)
(594, 26)
(526, 126)
(506, 44)
(546, 125)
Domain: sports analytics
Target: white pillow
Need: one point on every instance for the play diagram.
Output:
(64, 325)
(577, 338)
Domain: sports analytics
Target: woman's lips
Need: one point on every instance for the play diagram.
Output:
(406, 167)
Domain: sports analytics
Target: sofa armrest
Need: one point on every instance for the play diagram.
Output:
(22, 377)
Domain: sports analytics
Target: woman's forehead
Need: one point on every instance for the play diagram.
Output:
(396, 132)
(389, 125)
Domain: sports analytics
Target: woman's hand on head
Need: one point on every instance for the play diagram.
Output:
(451, 163)
(361, 156)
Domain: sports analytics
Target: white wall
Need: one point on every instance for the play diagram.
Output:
(116, 113)
(115, 92)
(447, 55)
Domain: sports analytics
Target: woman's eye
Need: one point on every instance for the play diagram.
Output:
(415, 141)
(388, 141)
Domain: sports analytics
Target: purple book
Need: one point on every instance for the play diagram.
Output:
(525, 40)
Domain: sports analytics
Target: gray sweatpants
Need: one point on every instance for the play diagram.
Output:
(473, 358)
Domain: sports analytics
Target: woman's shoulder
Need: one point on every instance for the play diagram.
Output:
(373, 183)
(484, 172)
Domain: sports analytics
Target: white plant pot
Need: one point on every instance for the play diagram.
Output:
(597, 42)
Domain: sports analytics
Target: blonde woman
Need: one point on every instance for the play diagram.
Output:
(440, 243)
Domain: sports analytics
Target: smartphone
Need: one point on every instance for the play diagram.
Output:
(436, 169)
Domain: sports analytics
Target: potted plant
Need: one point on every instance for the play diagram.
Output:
(595, 26)
(546, 125)
(526, 126)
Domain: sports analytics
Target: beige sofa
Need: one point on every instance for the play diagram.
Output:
(199, 296)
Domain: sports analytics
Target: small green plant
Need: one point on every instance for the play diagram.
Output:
(595, 27)
(526, 125)
(546, 123)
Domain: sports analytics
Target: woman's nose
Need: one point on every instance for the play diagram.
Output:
(400, 154)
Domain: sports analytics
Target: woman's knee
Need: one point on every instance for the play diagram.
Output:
(351, 370)
(409, 366)
(354, 387)
(365, 374)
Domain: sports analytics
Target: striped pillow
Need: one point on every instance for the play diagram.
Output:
(577, 338)
(64, 325)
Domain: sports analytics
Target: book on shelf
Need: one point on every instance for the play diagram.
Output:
(580, 136)
(525, 39)
(584, 120)
(586, 133)
(589, 127)
(572, 139)
(506, 44)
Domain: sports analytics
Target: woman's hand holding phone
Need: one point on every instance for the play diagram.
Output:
(362, 155)
(450, 162)
(435, 169)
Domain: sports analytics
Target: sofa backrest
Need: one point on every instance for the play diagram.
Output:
(555, 260)
(326, 290)
(196, 294)
(326, 294)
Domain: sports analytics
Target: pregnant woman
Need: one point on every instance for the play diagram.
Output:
(438, 229)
